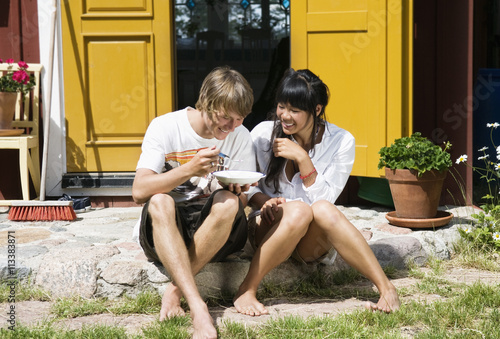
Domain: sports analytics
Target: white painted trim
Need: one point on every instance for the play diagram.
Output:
(56, 160)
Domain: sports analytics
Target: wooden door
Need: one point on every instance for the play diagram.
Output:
(118, 75)
(362, 50)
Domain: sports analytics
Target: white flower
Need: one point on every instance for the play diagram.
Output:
(483, 157)
(483, 149)
(498, 156)
(497, 166)
(494, 125)
(498, 149)
(467, 229)
(496, 236)
(462, 158)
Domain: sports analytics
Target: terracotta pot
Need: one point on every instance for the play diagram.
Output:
(7, 109)
(415, 197)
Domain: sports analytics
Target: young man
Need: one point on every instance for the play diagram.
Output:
(187, 220)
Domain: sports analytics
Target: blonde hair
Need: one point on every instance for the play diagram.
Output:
(225, 89)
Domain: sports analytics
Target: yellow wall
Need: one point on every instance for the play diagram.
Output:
(362, 51)
(118, 75)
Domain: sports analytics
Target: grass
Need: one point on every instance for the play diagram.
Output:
(24, 290)
(443, 309)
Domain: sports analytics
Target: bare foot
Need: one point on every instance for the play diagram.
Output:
(247, 303)
(203, 324)
(171, 303)
(388, 302)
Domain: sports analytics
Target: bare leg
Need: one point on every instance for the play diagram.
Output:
(275, 248)
(331, 224)
(183, 264)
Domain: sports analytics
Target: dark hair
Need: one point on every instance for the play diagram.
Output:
(304, 90)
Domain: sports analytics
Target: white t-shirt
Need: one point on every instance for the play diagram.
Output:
(170, 142)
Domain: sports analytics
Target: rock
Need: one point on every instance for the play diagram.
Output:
(396, 230)
(398, 251)
(26, 252)
(25, 235)
(124, 272)
(68, 272)
(21, 271)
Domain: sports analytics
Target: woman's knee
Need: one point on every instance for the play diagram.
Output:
(324, 211)
(297, 215)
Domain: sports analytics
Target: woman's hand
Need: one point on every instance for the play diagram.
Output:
(270, 209)
(288, 149)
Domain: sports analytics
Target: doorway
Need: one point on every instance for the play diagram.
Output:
(252, 37)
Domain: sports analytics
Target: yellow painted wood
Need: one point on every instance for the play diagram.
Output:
(362, 50)
(117, 77)
(119, 8)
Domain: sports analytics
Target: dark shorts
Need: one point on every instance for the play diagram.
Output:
(189, 220)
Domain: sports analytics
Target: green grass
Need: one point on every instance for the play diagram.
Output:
(444, 309)
(23, 290)
(145, 303)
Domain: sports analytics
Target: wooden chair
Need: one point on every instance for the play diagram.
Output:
(28, 142)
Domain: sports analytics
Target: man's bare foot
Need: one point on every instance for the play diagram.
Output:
(203, 324)
(247, 303)
(388, 302)
(171, 303)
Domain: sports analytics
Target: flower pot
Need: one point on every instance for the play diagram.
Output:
(415, 197)
(7, 109)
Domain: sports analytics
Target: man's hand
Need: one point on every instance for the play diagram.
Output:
(236, 188)
(204, 162)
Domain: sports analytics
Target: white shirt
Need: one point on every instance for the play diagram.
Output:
(333, 159)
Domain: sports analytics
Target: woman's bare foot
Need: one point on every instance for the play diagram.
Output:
(203, 324)
(171, 303)
(388, 302)
(247, 303)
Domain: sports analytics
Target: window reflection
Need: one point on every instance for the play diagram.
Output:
(243, 34)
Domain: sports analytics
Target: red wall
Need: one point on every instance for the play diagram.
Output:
(443, 83)
(19, 41)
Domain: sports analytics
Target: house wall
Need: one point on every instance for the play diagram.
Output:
(19, 41)
(443, 84)
(443, 79)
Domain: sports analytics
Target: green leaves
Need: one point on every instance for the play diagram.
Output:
(417, 153)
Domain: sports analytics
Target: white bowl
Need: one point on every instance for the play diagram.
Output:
(238, 177)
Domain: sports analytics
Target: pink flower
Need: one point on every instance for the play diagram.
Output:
(9, 61)
(1, 61)
(21, 77)
(22, 64)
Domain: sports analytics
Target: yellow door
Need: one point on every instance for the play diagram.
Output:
(362, 50)
(118, 75)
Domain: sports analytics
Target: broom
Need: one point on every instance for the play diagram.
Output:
(41, 210)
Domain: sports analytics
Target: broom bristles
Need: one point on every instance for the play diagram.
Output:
(42, 211)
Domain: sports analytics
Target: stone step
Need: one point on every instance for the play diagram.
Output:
(94, 256)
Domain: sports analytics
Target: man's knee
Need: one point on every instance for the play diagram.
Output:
(226, 204)
(160, 205)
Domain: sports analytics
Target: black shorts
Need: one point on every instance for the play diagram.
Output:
(189, 220)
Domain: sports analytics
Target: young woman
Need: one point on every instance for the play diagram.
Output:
(307, 162)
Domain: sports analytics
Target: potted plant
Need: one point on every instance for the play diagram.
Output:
(415, 168)
(12, 82)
